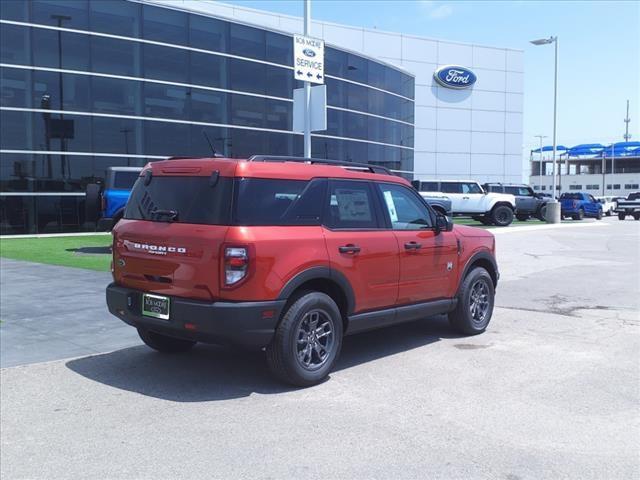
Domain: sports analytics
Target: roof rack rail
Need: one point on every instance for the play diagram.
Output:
(320, 161)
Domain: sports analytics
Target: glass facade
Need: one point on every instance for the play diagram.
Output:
(87, 84)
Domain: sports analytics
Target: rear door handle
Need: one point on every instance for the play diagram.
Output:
(412, 246)
(350, 248)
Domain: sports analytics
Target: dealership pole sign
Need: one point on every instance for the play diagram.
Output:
(308, 59)
(455, 76)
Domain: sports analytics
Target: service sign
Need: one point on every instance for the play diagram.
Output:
(308, 59)
(455, 76)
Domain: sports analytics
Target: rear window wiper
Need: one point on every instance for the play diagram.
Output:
(172, 214)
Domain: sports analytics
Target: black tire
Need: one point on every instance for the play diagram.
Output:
(608, 214)
(542, 213)
(621, 216)
(579, 215)
(522, 218)
(599, 215)
(92, 202)
(636, 216)
(462, 319)
(165, 344)
(502, 215)
(286, 355)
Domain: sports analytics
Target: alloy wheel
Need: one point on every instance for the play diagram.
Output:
(479, 302)
(314, 339)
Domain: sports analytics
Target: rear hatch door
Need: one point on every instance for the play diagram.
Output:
(173, 229)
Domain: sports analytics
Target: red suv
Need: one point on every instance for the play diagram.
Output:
(290, 254)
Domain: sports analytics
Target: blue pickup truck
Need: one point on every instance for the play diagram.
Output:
(104, 203)
(579, 205)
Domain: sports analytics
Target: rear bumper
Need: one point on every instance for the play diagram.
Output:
(247, 324)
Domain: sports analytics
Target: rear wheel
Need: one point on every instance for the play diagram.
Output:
(542, 213)
(502, 215)
(579, 215)
(621, 216)
(636, 216)
(599, 215)
(163, 343)
(307, 341)
(475, 303)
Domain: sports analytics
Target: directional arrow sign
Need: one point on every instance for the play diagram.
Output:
(308, 59)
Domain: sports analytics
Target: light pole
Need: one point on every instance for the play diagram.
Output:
(553, 207)
(307, 87)
(540, 180)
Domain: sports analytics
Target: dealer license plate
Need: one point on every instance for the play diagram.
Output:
(155, 306)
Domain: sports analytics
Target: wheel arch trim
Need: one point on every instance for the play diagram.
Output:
(320, 273)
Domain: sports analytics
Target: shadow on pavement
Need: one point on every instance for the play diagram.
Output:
(210, 372)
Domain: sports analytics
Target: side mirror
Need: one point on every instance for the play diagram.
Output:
(443, 223)
(416, 184)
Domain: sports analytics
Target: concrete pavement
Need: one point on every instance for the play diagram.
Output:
(551, 390)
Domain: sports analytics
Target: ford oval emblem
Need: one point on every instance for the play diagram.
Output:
(455, 76)
(309, 53)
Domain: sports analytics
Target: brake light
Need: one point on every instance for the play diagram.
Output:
(236, 264)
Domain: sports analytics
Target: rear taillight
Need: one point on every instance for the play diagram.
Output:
(236, 264)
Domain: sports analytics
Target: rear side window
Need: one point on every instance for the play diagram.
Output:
(124, 180)
(429, 187)
(449, 187)
(351, 205)
(181, 200)
(274, 202)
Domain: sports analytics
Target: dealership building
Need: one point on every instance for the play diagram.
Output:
(88, 84)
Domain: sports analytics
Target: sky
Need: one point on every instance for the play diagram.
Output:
(599, 52)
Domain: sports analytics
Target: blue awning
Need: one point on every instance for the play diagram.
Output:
(586, 149)
(549, 148)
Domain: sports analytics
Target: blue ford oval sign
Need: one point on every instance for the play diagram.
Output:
(455, 76)
(309, 53)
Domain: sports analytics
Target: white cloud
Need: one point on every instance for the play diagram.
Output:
(440, 12)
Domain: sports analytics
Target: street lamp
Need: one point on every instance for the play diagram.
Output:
(540, 180)
(553, 207)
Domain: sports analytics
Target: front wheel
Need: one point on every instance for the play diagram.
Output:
(621, 216)
(502, 215)
(307, 342)
(475, 303)
(599, 215)
(165, 344)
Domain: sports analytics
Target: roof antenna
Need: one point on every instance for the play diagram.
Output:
(209, 142)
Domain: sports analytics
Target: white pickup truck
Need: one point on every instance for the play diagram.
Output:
(630, 206)
(469, 199)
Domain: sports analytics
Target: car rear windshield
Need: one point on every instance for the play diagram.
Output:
(181, 199)
(571, 196)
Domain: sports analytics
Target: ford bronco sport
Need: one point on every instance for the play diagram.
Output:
(290, 254)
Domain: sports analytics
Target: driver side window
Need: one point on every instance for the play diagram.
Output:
(405, 210)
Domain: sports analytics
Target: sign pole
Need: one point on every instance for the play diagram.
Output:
(307, 87)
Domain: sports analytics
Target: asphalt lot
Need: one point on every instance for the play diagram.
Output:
(551, 390)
